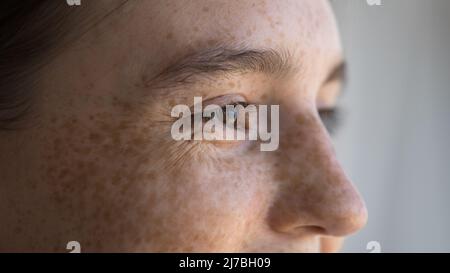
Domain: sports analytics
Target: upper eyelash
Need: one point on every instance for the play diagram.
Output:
(243, 103)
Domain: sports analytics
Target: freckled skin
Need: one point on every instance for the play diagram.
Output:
(98, 164)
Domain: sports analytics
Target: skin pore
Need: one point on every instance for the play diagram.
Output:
(97, 163)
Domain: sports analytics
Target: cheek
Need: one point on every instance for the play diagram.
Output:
(208, 199)
(120, 185)
(97, 174)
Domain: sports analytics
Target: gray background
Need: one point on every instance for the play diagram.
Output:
(395, 141)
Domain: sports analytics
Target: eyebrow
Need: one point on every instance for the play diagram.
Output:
(222, 61)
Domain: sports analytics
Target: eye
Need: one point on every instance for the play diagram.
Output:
(232, 113)
(331, 119)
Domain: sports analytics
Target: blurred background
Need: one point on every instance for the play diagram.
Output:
(395, 141)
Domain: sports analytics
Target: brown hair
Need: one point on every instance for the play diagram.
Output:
(28, 30)
(31, 32)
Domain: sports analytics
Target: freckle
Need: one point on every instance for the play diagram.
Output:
(125, 106)
(50, 171)
(123, 125)
(138, 142)
(82, 178)
(231, 84)
(264, 97)
(205, 9)
(80, 165)
(107, 217)
(92, 169)
(129, 151)
(105, 148)
(195, 29)
(77, 149)
(211, 42)
(99, 187)
(63, 174)
(137, 240)
(172, 102)
(104, 126)
(95, 138)
(57, 142)
(299, 119)
(17, 230)
(115, 179)
(169, 36)
(85, 150)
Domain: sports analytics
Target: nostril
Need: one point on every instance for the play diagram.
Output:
(311, 230)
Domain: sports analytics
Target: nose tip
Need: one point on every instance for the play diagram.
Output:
(314, 194)
(347, 222)
(339, 218)
(319, 199)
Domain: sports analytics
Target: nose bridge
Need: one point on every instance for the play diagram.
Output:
(314, 192)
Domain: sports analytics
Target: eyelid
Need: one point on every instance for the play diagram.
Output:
(228, 99)
(221, 101)
(332, 118)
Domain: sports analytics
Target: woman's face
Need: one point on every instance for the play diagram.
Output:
(97, 163)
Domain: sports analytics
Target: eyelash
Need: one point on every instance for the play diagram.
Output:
(224, 110)
(331, 118)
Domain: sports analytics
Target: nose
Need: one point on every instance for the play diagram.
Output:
(314, 194)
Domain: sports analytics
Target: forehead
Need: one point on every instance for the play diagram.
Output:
(175, 26)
